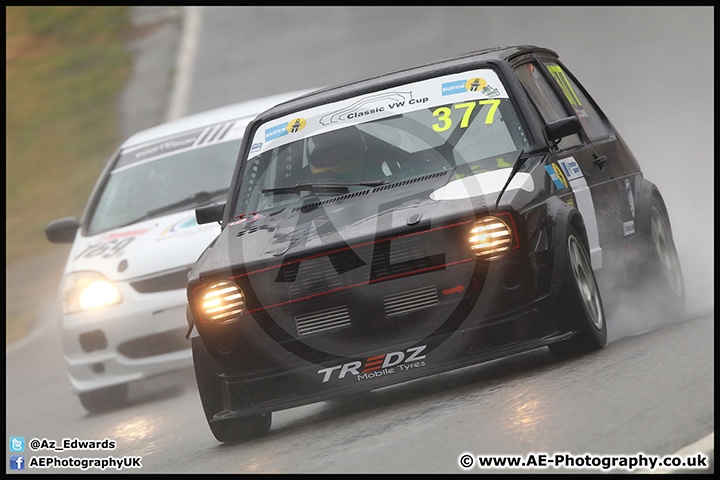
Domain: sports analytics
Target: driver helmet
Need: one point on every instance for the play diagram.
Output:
(339, 154)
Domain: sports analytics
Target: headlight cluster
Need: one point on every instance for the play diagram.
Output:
(490, 238)
(87, 290)
(221, 303)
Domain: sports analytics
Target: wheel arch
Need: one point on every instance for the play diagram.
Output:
(645, 271)
(645, 192)
(560, 216)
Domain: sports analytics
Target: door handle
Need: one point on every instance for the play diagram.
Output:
(599, 161)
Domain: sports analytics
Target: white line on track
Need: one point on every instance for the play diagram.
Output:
(185, 63)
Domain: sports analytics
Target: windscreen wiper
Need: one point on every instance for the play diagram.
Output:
(322, 188)
(197, 198)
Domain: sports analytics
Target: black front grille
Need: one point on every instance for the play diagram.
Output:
(91, 341)
(391, 258)
(174, 280)
(410, 301)
(156, 344)
(401, 256)
(311, 277)
(322, 321)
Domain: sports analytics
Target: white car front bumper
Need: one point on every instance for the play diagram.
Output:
(140, 337)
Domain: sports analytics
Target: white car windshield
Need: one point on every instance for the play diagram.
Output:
(382, 137)
(161, 184)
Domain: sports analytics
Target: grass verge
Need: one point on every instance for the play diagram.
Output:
(66, 68)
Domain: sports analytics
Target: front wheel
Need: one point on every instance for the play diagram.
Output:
(212, 389)
(579, 303)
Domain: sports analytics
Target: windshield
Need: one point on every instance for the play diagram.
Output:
(162, 184)
(386, 136)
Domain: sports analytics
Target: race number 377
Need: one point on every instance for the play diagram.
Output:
(444, 114)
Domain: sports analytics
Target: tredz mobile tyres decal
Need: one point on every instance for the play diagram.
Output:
(386, 364)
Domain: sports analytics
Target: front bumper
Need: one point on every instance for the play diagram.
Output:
(140, 337)
(432, 316)
(521, 330)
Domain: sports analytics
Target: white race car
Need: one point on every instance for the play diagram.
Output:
(123, 288)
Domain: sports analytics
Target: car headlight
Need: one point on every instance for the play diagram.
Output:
(87, 290)
(221, 303)
(490, 238)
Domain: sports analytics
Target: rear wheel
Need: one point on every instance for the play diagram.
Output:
(662, 274)
(104, 399)
(212, 389)
(579, 304)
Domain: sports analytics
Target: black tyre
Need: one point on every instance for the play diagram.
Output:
(661, 274)
(212, 389)
(579, 304)
(105, 399)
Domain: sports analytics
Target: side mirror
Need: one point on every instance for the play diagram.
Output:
(562, 128)
(62, 230)
(210, 213)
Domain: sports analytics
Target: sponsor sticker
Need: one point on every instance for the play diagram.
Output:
(296, 125)
(475, 84)
(377, 366)
(450, 88)
(557, 176)
(188, 222)
(369, 105)
(276, 131)
(629, 228)
(630, 197)
(251, 218)
(570, 168)
(490, 91)
(166, 146)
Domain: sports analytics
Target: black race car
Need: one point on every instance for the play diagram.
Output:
(414, 223)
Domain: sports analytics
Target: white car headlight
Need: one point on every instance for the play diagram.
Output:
(87, 290)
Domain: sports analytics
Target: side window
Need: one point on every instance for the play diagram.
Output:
(590, 119)
(547, 103)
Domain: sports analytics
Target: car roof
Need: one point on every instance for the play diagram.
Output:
(249, 108)
(462, 62)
